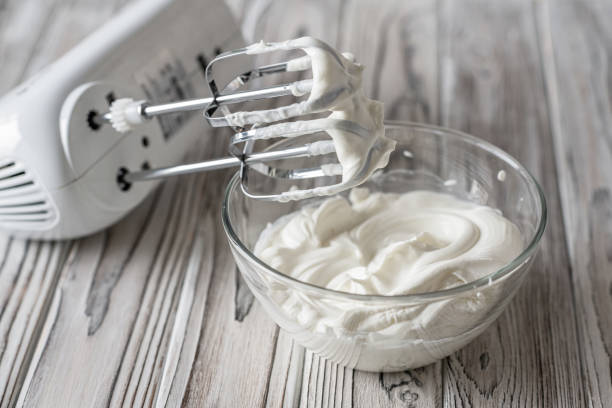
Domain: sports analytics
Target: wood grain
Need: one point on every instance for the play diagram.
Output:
(577, 47)
(152, 312)
(28, 275)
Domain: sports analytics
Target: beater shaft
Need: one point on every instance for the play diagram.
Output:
(149, 111)
(223, 163)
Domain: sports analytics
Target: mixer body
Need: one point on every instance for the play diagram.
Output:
(59, 164)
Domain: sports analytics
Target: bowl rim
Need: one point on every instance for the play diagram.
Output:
(421, 297)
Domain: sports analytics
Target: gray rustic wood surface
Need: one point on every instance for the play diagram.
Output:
(152, 311)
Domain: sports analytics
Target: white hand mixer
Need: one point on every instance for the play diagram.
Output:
(65, 172)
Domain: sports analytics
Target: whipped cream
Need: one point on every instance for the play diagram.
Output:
(388, 244)
(355, 123)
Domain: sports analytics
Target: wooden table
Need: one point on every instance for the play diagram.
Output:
(152, 311)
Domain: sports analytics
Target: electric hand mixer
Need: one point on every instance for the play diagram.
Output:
(66, 172)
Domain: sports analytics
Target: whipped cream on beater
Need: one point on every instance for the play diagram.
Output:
(336, 86)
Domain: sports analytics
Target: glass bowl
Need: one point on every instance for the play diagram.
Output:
(440, 322)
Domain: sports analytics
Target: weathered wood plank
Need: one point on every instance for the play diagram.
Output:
(285, 386)
(577, 47)
(234, 351)
(34, 33)
(66, 25)
(27, 277)
(493, 87)
(22, 25)
(400, 55)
